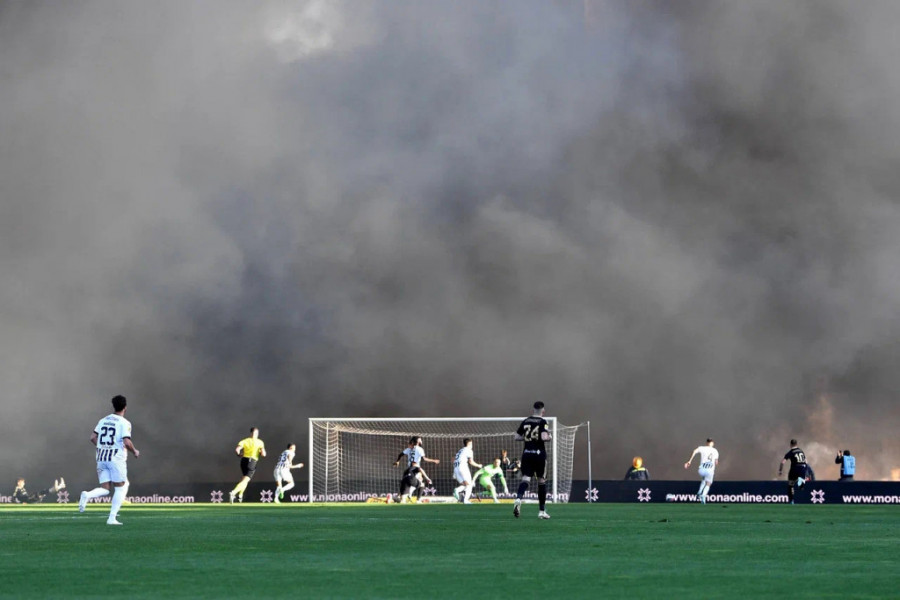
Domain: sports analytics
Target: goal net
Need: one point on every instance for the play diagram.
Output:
(352, 459)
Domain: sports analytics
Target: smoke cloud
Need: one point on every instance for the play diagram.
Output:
(675, 221)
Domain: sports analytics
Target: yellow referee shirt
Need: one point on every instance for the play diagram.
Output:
(251, 447)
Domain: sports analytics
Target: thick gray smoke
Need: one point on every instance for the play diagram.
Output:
(675, 221)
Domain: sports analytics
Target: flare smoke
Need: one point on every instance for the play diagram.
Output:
(668, 219)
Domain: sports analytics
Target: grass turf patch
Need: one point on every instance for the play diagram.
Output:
(435, 551)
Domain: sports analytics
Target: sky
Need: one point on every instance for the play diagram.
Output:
(673, 220)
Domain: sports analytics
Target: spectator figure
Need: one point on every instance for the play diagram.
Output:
(637, 471)
(508, 465)
(21, 495)
(848, 465)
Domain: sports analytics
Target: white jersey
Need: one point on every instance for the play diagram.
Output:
(414, 454)
(112, 430)
(708, 457)
(285, 460)
(463, 457)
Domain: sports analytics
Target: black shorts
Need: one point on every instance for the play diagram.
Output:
(798, 471)
(412, 482)
(409, 486)
(248, 467)
(534, 464)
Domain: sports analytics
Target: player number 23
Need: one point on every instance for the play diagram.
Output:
(531, 433)
(111, 433)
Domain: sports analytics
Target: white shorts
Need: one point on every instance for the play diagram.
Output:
(112, 471)
(706, 474)
(462, 474)
(284, 475)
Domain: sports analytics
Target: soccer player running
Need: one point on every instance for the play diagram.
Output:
(283, 476)
(709, 458)
(112, 437)
(799, 471)
(534, 431)
(485, 476)
(250, 449)
(412, 480)
(464, 458)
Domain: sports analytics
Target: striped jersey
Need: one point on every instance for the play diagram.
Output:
(463, 457)
(285, 460)
(112, 430)
(414, 454)
(708, 456)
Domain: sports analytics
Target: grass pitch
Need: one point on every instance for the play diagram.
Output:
(451, 551)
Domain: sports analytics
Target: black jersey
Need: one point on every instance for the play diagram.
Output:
(531, 429)
(796, 456)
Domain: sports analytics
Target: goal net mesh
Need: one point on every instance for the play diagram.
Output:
(352, 459)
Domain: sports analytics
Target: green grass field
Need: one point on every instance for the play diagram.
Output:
(452, 551)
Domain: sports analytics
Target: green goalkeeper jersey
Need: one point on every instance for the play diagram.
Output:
(488, 472)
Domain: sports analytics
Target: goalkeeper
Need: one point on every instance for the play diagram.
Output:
(485, 476)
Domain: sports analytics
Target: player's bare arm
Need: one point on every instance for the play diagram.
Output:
(297, 466)
(688, 463)
(237, 449)
(545, 435)
(399, 456)
(130, 447)
(425, 475)
(436, 461)
(94, 438)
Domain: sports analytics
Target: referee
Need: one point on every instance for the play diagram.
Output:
(250, 449)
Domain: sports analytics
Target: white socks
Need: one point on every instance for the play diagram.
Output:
(98, 492)
(117, 499)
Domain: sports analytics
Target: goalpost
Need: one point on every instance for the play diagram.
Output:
(351, 459)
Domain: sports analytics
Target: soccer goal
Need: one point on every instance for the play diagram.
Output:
(352, 459)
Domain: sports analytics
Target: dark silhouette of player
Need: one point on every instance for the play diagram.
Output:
(534, 431)
(799, 472)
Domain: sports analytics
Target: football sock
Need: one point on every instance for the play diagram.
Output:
(790, 492)
(468, 493)
(97, 492)
(117, 499)
(542, 495)
(523, 487)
